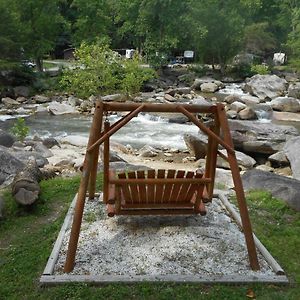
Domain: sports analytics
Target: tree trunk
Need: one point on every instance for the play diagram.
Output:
(39, 64)
(25, 187)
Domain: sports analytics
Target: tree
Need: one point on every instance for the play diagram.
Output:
(40, 23)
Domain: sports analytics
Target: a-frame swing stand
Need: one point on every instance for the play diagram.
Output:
(218, 134)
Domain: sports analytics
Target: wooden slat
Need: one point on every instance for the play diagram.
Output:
(142, 187)
(168, 186)
(193, 187)
(150, 188)
(133, 187)
(146, 212)
(119, 197)
(199, 200)
(110, 210)
(153, 181)
(159, 205)
(125, 189)
(159, 186)
(176, 187)
(185, 187)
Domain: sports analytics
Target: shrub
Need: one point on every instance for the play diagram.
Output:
(260, 69)
(19, 129)
(101, 71)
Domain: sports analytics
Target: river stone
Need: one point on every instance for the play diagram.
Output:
(244, 160)
(291, 149)
(74, 101)
(283, 188)
(9, 164)
(294, 90)
(148, 151)
(25, 156)
(286, 116)
(22, 91)
(9, 102)
(86, 105)
(266, 86)
(42, 149)
(237, 106)
(209, 87)
(231, 114)
(6, 139)
(200, 101)
(279, 159)
(179, 90)
(232, 98)
(63, 108)
(265, 138)
(286, 104)
(196, 145)
(247, 113)
(21, 100)
(249, 100)
(40, 99)
(169, 98)
(50, 142)
(75, 140)
(115, 98)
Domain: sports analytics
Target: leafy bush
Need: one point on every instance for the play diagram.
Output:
(101, 71)
(19, 129)
(260, 69)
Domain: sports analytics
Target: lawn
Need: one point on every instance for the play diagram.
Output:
(27, 237)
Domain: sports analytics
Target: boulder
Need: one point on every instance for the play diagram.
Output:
(232, 98)
(266, 86)
(21, 99)
(279, 159)
(265, 138)
(286, 104)
(245, 161)
(196, 145)
(50, 142)
(63, 108)
(9, 164)
(86, 105)
(294, 90)
(115, 98)
(179, 90)
(75, 140)
(249, 100)
(170, 98)
(286, 116)
(22, 91)
(9, 102)
(209, 87)
(286, 189)
(237, 106)
(74, 101)
(40, 99)
(247, 113)
(231, 114)
(6, 139)
(291, 150)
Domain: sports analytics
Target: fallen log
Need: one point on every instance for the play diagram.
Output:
(25, 186)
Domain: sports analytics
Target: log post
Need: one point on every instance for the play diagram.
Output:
(247, 228)
(106, 164)
(94, 136)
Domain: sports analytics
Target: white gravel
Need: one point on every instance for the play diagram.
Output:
(160, 245)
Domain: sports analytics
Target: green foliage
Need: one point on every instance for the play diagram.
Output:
(101, 71)
(19, 129)
(260, 69)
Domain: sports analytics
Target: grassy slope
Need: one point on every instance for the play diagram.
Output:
(27, 237)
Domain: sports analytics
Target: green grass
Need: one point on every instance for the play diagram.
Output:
(27, 237)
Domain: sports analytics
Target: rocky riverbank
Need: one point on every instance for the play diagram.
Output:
(263, 146)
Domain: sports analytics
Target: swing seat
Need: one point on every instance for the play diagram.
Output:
(161, 192)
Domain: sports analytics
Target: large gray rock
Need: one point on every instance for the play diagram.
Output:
(279, 159)
(280, 187)
(245, 161)
(115, 97)
(286, 104)
(237, 106)
(9, 164)
(265, 138)
(40, 99)
(266, 86)
(196, 145)
(209, 87)
(249, 100)
(232, 98)
(75, 140)
(294, 90)
(148, 151)
(291, 150)
(63, 108)
(200, 101)
(6, 139)
(9, 102)
(247, 113)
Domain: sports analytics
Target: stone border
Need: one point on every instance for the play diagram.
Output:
(49, 279)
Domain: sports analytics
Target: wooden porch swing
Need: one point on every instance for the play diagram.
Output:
(163, 191)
